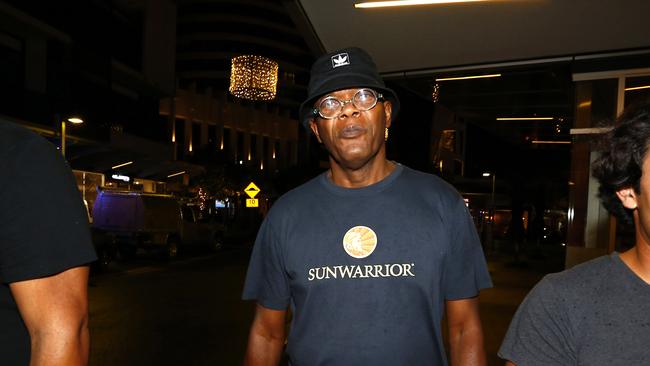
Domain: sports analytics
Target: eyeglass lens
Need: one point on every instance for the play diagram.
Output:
(363, 100)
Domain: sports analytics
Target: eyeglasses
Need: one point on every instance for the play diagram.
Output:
(363, 100)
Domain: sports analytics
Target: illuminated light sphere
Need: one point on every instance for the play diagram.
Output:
(253, 77)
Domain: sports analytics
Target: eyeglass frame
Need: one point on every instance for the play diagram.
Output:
(379, 97)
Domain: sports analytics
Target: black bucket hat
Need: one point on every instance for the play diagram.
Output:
(343, 69)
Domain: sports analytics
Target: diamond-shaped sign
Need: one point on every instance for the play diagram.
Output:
(252, 190)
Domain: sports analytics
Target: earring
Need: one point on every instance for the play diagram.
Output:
(386, 134)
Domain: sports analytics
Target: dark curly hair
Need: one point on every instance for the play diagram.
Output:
(620, 164)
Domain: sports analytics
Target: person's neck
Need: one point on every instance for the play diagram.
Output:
(638, 259)
(364, 176)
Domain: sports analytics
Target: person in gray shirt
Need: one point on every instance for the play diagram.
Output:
(598, 313)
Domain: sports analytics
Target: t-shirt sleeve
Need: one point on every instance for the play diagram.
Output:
(45, 228)
(466, 272)
(540, 333)
(267, 280)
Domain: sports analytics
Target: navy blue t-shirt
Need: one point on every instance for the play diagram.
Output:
(367, 271)
(43, 226)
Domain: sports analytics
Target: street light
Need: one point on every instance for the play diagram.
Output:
(73, 120)
(492, 209)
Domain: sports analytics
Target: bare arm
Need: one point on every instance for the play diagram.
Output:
(465, 333)
(266, 338)
(508, 363)
(55, 311)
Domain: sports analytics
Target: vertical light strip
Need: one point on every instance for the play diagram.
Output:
(620, 96)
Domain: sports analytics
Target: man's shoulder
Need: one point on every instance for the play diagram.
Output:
(427, 185)
(26, 151)
(588, 269)
(418, 177)
(578, 281)
(14, 136)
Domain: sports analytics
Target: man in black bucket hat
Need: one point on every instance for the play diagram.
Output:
(370, 254)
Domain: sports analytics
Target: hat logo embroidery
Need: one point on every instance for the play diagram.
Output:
(360, 241)
(340, 59)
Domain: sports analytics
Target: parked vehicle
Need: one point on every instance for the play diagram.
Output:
(129, 221)
(201, 230)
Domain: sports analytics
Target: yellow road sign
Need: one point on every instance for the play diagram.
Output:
(252, 202)
(252, 190)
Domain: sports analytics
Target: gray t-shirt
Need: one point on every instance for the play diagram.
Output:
(597, 313)
(366, 271)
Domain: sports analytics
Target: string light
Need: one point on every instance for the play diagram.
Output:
(253, 77)
(203, 196)
(436, 92)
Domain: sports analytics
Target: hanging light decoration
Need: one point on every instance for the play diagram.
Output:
(435, 95)
(253, 77)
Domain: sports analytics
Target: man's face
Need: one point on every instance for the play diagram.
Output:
(354, 137)
(640, 203)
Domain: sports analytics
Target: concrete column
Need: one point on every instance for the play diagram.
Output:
(590, 227)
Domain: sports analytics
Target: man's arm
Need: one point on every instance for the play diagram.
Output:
(508, 363)
(266, 339)
(465, 332)
(55, 311)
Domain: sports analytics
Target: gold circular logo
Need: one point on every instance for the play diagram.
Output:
(360, 241)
